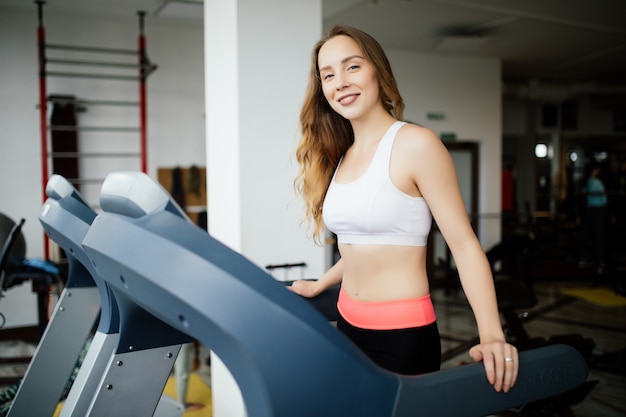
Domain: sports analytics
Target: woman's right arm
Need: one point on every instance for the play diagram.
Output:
(311, 289)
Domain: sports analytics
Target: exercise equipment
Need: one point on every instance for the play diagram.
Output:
(66, 217)
(69, 327)
(16, 268)
(13, 247)
(285, 356)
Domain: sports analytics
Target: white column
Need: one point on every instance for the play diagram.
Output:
(257, 57)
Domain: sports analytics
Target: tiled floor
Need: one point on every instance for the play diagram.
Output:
(555, 314)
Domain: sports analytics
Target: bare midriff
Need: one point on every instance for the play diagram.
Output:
(375, 273)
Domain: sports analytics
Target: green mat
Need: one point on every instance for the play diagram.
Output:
(602, 297)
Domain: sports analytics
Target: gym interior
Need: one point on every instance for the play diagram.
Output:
(204, 100)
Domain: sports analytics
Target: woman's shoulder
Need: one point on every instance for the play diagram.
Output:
(412, 137)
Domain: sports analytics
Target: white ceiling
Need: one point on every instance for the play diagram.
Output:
(577, 41)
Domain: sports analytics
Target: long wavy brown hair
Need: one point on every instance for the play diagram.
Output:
(326, 135)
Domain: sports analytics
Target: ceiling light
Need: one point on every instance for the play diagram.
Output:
(541, 150)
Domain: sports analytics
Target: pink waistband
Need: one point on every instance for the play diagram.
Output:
(387, 315)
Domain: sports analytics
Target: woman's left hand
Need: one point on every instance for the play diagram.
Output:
(501, 362)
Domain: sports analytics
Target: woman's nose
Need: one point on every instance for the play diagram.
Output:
(341, 81)
(341, 84)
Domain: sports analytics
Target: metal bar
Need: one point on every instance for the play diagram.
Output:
(93, 129)
(88, 102)
(43, 110)
(107, 103)
(91, 63)
(87, 75)
(94, 154)
(91, 49)
(294, 265)
(143, 74)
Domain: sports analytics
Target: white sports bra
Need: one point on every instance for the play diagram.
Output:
(372, 210)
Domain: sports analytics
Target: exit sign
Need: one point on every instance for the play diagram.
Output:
(434, 115)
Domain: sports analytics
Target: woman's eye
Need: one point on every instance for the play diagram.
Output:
(327, 76)
(353, 67)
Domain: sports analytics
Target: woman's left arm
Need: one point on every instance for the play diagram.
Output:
(435, 176)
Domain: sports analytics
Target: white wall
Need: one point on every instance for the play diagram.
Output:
(175, 94)
(468, 92)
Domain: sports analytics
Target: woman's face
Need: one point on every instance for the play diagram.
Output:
(348, 79)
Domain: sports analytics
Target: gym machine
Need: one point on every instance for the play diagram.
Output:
(66, 217)
(285, 356)
(67, 331)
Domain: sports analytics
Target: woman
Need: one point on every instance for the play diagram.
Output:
(595, 223)
(374, 181)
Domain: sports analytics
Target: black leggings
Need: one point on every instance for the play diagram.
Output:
(410, 351)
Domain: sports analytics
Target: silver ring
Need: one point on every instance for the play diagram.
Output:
(508, 359)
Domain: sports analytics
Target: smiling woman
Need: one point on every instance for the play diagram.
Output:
(377, 182)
